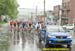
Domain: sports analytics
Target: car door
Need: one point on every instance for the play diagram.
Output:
(43, 32)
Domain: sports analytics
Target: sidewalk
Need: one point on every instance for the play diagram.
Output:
(3, 26)
(73, 41)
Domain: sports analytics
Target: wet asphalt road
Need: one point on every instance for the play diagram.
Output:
(28, 42)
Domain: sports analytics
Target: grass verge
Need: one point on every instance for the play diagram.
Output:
(2, 23)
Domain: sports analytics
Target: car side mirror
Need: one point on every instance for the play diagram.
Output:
(67, 31)
(44, 31)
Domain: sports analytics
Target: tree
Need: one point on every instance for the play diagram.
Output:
(8, 7)
(2, 8)
(12, 8)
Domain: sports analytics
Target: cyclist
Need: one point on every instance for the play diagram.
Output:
(11, 23)
(18, 25)
(18, 29)
(14, 25)
(30, 27)
(23, 26)
(38, 26)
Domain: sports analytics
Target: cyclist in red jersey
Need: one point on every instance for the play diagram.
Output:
(18, 25)
(14, 25)
(11, 25)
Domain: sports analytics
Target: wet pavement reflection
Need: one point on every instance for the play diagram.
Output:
(24, 41)
(4, 38)
(29, 42)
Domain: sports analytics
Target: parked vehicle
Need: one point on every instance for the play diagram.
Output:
(55, 35)
(68, 26)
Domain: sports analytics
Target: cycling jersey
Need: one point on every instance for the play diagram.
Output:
(30, 25)
(11, 23)
(23, 24)
(15, 24)
(18, 23)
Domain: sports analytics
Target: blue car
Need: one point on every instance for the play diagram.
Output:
(55, 35)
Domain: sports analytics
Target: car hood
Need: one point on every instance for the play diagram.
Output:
(59, 34)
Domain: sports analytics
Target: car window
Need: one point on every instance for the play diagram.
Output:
(61, 29)
(55, 29)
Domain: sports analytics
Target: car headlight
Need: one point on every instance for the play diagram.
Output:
(51, 36)
(69, 37)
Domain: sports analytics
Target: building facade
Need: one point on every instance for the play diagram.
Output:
(56, 12)
(50, 17)
(67, 11)
(28, 14)
(25, 13)
(72, 11)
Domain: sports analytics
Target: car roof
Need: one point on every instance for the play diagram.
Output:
(53, 26)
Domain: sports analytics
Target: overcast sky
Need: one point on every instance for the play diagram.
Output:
(39, 3)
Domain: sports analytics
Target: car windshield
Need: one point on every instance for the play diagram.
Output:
(55, 29)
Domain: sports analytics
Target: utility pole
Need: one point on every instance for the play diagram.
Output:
(36, 11)
(74, 17)
(60, 16)
(44, 8)
(31, 16)
(44, 11)
(36, 14)
(60, 13)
